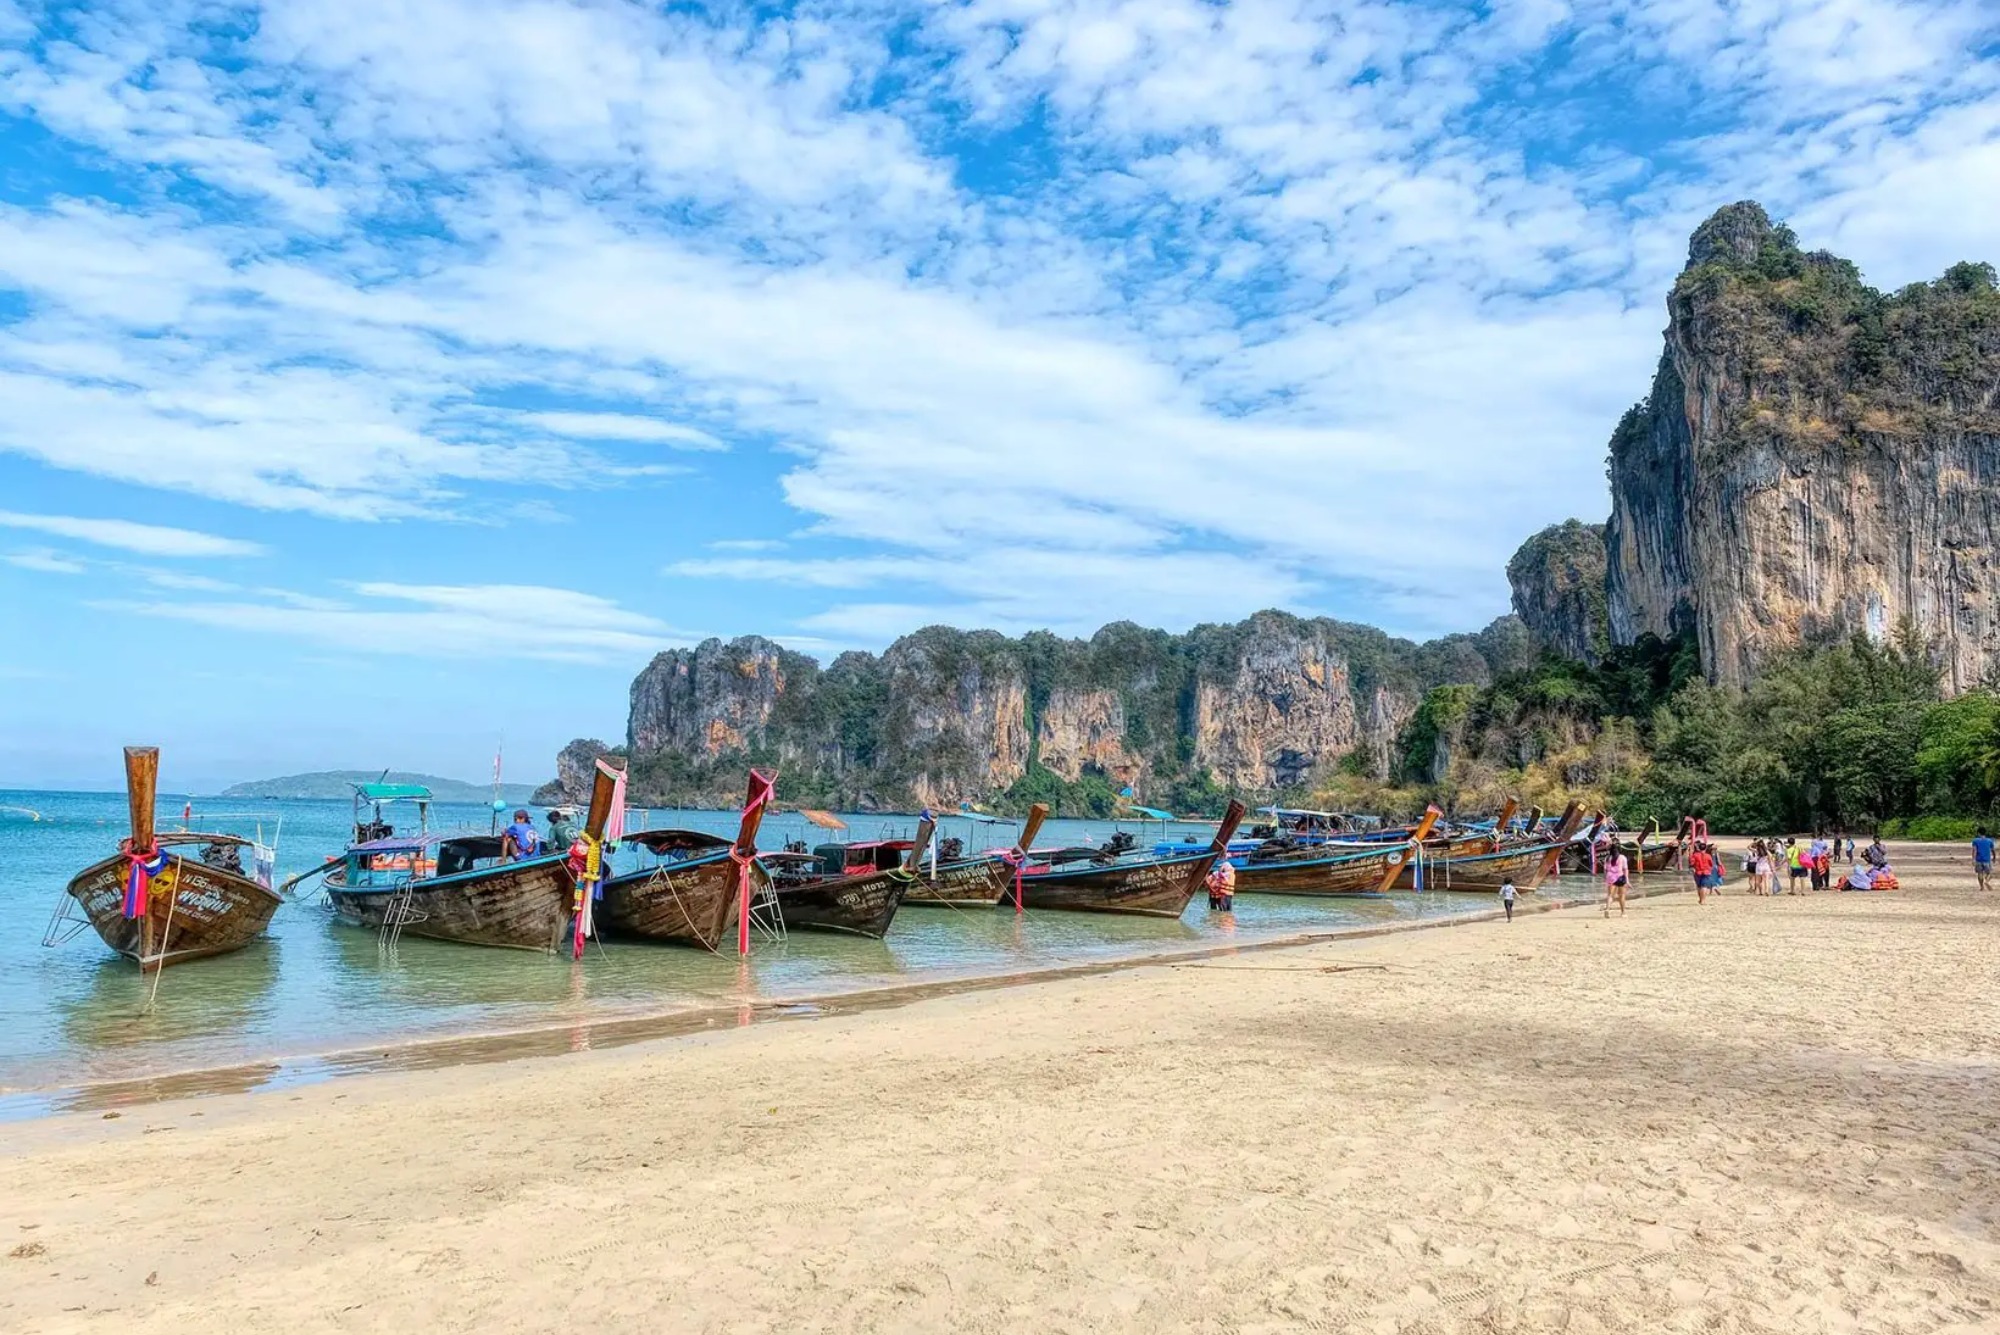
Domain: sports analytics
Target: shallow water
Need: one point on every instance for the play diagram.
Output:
(77, 1015)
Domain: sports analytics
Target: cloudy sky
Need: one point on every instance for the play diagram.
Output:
(379, 378)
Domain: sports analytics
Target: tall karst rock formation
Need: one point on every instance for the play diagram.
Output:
(1557, 578)
(1815, 459)
(944, 716)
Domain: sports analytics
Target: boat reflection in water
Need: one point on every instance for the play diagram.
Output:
(116, 1007)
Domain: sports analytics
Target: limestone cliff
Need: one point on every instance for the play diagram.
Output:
(1278, 706)
(943, 716)
(575, 766)
(1558, 582)
(1816, 459)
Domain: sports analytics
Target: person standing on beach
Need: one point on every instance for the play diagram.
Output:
(1795, 864)
(1616, 872)
(1982, 858)
(1507, 894)
(1702, 863)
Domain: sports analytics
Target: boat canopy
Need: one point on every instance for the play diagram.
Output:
(1150, 813)
(675, 841)
(392, 792)
(967, 813)
(826, 820)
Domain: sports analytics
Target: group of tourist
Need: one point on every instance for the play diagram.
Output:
(1811, 864)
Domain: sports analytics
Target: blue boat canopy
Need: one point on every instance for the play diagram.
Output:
(1150, 813)
(391, 792)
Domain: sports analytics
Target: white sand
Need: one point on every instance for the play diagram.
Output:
(1767, 1115)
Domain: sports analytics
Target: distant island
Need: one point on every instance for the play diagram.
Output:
(340, 783)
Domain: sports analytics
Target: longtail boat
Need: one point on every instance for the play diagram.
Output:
(1526, 864)
(156, 906)
(979, 882)
(453, 888)
(693, 894)
(852, 888)
(1152, 885)
(1328, 873)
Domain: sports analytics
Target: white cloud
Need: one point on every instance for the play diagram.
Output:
(624, 426)
(434, 621)
(124, 534)
(44, 561)
(1220, 304)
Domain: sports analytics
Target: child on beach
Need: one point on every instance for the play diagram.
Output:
(1616, 870)
(1702, 863)
(1507, 896)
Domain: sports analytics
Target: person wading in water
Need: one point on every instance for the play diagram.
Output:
(1222, 886)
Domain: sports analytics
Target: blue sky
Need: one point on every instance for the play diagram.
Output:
(378, 380)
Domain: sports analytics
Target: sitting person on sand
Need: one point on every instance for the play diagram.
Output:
(1860, 878)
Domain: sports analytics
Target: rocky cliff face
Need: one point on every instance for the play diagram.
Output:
(576, 764)
(1286, 708)
(1816, 459)
(944, 716)
(1558, 581)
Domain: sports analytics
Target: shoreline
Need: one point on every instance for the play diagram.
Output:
(294, 1070)
(1758, 1115)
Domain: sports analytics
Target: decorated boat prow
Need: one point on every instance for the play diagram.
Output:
(693, 894)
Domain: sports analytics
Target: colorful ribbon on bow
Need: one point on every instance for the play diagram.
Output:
(1018, 861)
(589, 887)
(140, 869)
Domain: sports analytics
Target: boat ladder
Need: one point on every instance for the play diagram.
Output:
(65, 922)
(400, 913)
(764, 915)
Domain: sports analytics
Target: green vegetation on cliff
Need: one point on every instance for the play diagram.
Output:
(1852, 734)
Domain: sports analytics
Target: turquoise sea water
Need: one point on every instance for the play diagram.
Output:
(77, 1015)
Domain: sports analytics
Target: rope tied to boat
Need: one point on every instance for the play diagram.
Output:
(1019, 862)
(140, 870)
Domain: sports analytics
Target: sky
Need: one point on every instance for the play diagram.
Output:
(382, 383)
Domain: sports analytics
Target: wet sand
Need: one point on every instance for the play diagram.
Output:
(1763, 1115)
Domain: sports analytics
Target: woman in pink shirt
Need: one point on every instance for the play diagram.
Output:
(1616, 872)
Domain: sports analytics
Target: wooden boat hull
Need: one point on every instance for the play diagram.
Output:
(862, 905)
(975, 883)
(1660, 857)
(1483, 874)
(694, 903)
(522, 906)
(212, 911)
(1348, 876)
(1158, 889)
(1656, 858)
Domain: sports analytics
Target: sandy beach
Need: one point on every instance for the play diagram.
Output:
(1763, 1115)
